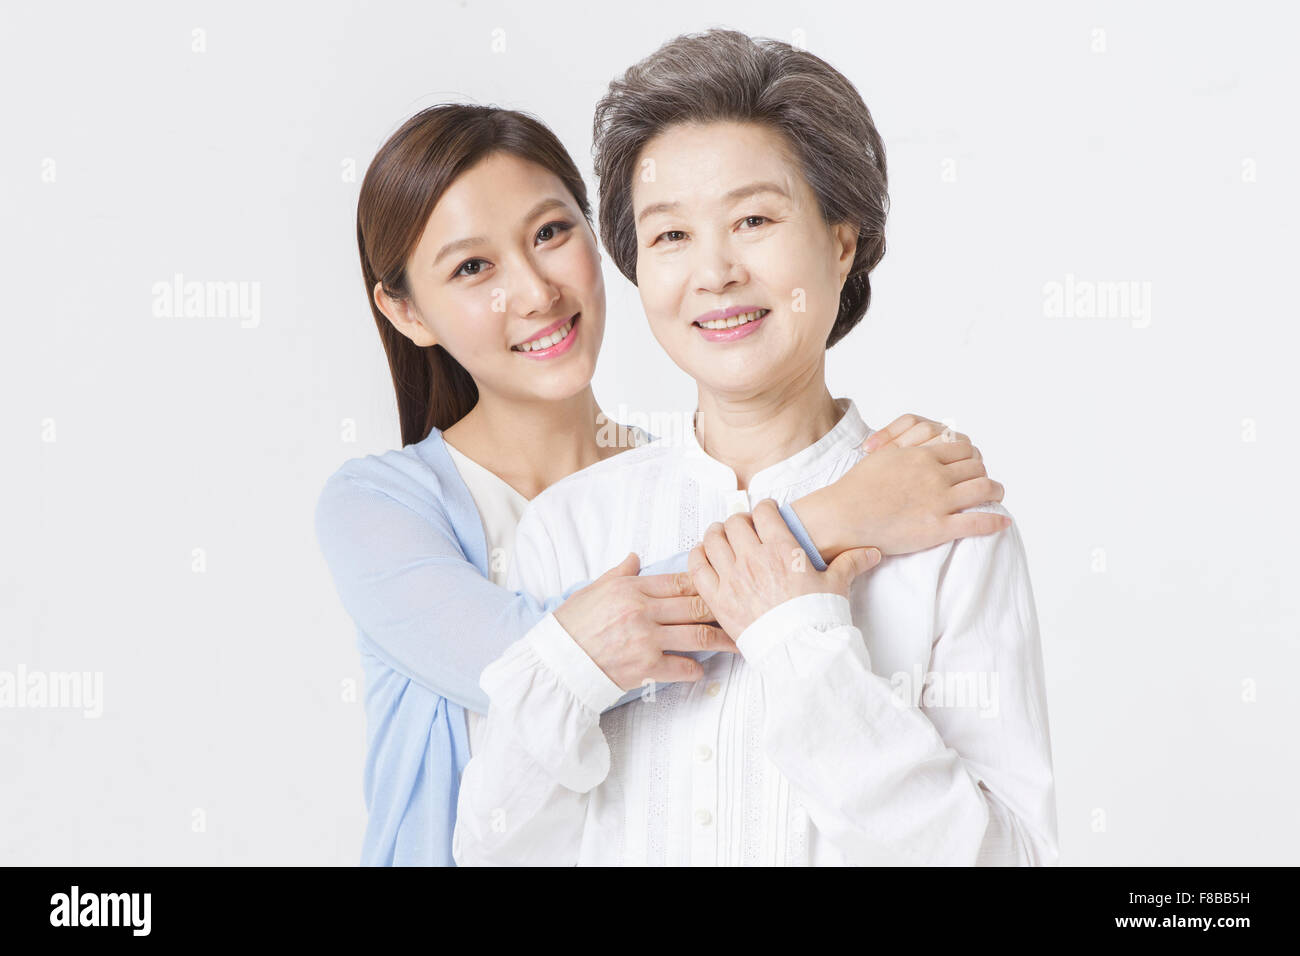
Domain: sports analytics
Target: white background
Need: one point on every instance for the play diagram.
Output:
(1023, 146)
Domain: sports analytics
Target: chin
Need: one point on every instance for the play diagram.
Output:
(568, 382)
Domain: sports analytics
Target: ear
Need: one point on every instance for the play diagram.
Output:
(845, 239)
(402, 313)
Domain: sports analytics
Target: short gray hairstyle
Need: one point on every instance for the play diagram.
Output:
(725, 75)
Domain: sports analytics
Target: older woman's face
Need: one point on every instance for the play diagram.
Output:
(728, 229)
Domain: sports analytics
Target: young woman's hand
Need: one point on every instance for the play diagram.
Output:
(625, 623)
(750, 563)
(906, 495)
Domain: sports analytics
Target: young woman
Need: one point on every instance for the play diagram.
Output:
(810, 745)
(484, 276)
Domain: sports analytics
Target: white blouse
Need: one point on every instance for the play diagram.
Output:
(904, 725)
(500, 507)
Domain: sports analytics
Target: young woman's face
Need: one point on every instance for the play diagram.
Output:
(727, 226)
(506, 277)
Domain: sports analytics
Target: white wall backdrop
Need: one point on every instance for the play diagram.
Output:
(160, 471)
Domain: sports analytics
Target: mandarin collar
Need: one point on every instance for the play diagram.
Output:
(847, 434)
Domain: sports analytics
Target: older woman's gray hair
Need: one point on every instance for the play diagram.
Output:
(726, 76)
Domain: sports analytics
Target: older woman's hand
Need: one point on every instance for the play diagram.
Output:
(626, 622)
(750, 563)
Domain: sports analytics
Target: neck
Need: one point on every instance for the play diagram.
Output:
(750, 433)
(533, 444)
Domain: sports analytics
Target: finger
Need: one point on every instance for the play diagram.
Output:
(977, 491)
(882, 437)
(770, 526)
(945, 435)
(675, 668)
(629, 565)
(922, 433)
(849, 564)
(964, 470)
(950, 451)
(716, 548)
(667, 585)
(704, 577)
(970, 524)
(696, 559)
(695, 637)
(680, 610)
(740, 532)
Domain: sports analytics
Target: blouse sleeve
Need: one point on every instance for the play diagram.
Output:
(884, 779)
(523, 796)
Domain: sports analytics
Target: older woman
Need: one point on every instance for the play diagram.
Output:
(743, 188)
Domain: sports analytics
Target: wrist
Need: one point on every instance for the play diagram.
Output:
(823, 522)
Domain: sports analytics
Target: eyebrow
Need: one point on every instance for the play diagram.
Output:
(460, 244)
(737, 194)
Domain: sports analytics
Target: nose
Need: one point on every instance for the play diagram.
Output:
(718, 268)
(532, 292)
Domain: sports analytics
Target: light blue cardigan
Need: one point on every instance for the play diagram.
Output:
(405, 545)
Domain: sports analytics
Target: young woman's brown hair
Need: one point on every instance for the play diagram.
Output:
(405, 180)
(724, 75)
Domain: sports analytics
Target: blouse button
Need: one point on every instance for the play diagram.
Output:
(703, 753)
(703, 817)
(713, 689)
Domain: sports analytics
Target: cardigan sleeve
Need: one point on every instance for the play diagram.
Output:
(421, 605)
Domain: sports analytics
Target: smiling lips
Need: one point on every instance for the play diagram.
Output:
(727, 325)
(551, 341)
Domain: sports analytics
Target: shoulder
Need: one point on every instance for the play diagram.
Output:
(962, 562)
(604, 479)
(982, 562)
(414, 476)
(580, 509)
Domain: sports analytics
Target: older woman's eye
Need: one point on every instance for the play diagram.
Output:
(676, 234)
(470, 268)
(553, 229)
(755, 221)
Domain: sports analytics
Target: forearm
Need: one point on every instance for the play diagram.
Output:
(523, 796)
(511, 811)
(878, 780)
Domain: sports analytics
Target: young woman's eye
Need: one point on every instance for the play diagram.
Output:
(470, 268)
(552, 229)
(672, 235)
(753, 222)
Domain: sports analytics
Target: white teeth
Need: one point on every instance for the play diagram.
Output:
(734, 321)
(559, 335)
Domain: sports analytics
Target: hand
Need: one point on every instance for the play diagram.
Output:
(749, 564)
(625, 623)
(909, 430)
(907, 495)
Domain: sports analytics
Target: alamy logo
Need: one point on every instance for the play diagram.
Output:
(102, 909)
(181, 299)
(1094, 299)
(53, 690)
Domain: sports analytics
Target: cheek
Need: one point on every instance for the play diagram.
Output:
(578, 266)
(659, 287)
(466, 324)
(805, 268)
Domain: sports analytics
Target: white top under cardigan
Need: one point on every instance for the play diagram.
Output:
(907, 724)
(500, 506)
